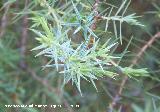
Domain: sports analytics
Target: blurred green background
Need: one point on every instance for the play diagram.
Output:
(22, 80)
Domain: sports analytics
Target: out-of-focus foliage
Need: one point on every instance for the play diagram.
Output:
(62, 28)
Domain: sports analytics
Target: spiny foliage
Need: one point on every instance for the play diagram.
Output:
(60, 25)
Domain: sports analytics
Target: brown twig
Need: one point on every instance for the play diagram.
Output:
(45, 83)
(144, 48)
(39, 79)
(95, 9)
(93, 26)
(134, 62)
(4, 21)
(24, 38)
